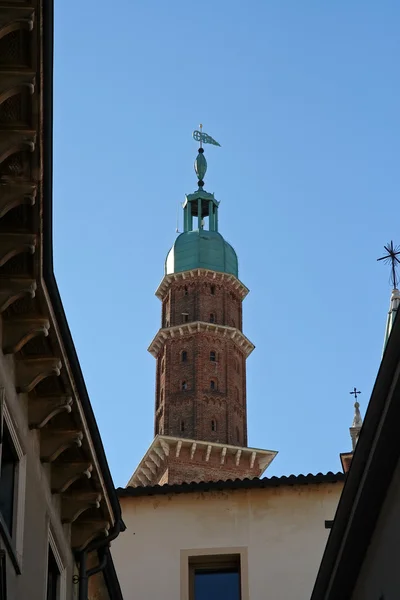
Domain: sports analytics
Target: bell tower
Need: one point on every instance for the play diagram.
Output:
(200, 422)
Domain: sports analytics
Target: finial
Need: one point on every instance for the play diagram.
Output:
(391, 259)
(200, 164)
(357, 420)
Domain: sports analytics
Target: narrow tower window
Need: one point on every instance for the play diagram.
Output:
(186, 290)
(212, 318)
(212, 385)
(182, 425)
(184, 385)
(184, 356)
(213, 356)
(185, 317)
(213, 290)
(213, 425)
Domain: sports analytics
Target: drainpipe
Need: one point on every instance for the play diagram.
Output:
(84, 572)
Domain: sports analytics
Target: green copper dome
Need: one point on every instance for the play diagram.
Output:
(201, 249)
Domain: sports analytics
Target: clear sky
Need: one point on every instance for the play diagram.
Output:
(304, 98)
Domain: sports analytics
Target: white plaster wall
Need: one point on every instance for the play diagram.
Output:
(282, 529)
(380, 574)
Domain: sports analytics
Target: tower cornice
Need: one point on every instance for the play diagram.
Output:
(187, 329)
(249, 462)
(217, 276)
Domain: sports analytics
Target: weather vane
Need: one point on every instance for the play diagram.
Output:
(203, 138)
(200, 164)
(391, 259)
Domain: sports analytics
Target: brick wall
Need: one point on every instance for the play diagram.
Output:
(197, 397)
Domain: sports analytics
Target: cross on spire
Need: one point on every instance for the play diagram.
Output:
(391, 259)
(355, 392)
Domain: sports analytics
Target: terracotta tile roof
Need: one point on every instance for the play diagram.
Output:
(236, 484)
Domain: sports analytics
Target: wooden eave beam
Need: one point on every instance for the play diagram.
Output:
(15, 289)
(63, 475)
(73, 504)
(42, 409)
(18, 331)
(53, 442)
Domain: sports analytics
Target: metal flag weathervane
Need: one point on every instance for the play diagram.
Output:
(391, 259)
(203, 138)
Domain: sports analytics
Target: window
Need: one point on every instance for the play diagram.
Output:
(9, 463)
(184, 356)
(213, 356)
(215, 578)
(212, 385)
(213, 425)
(184, 385)
(53, 577)
(212, 290)
(186, 291)
(185, 317)
(212, 318)
(182, 425)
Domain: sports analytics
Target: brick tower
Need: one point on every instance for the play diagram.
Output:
(200, 350)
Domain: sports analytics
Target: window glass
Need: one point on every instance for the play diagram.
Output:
(221, 584)
(184, 356)
(212, 356)
(53, 575)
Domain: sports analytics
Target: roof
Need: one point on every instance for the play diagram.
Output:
(375, 458)
(201, 249)
(163, 445)
(48, 273)
(236, 484)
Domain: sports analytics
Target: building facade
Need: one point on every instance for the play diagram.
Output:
(58, 506)
(258, 538)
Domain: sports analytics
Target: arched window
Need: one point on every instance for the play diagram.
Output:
(213, 425)
(213, 385)
(184, 385)
(213, 356)
(237, 434)
(182, 425)
(212, 318)
(213, 290)
(184, 356)
(186, 290)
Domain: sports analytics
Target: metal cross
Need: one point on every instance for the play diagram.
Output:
(391, 259)
(355, 392)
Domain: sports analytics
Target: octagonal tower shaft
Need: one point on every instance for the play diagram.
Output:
(201, 359)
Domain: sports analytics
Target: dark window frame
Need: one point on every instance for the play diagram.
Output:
(213, 356)
(184, 356)
(213, 562)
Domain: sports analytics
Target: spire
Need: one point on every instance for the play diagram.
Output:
(391, 258)
(200, 164)
(357, 420)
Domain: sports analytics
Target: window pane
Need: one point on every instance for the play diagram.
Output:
(217, 585)
(7, 481)
(53, 575)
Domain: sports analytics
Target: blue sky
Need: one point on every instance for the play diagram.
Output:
(304, 98)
